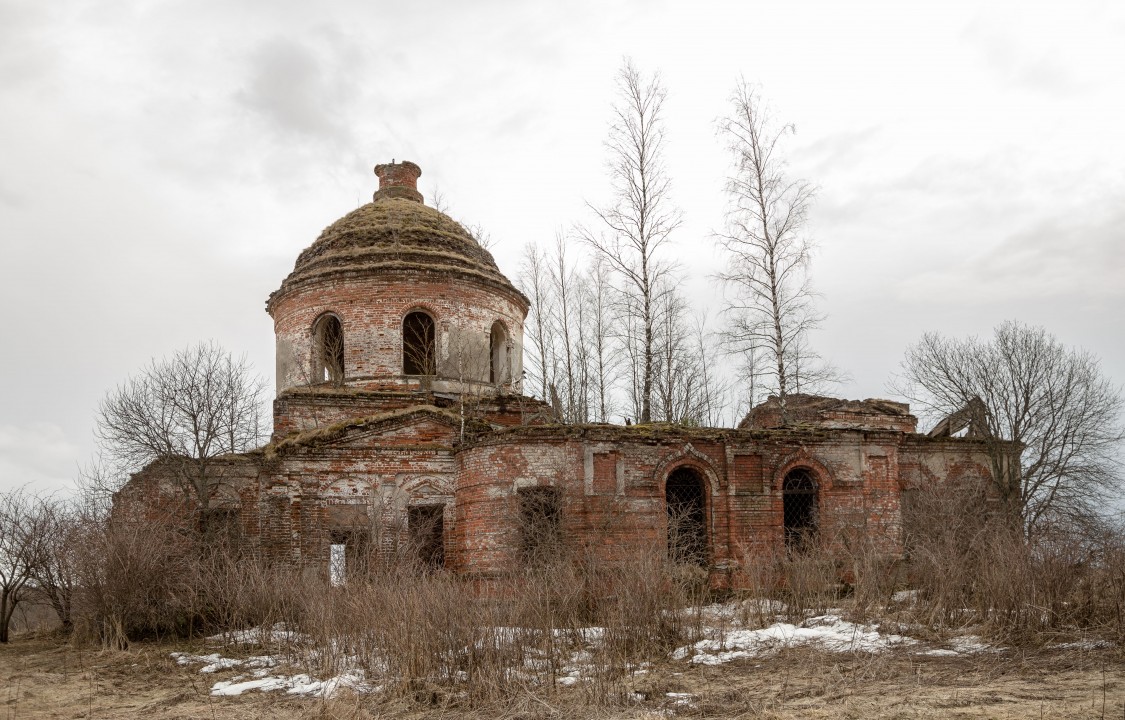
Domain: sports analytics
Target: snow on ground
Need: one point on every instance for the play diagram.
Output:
(278, 634)
(294, 684)
(215, 662)
(828, 632)
(262, 679)
(1081, 645)
(724, 639)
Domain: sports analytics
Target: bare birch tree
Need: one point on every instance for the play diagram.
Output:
(534, 280)
(564, 288)
(631, 231)
(1023, 386)
(185, 412)
(767, 251)
(599, 301)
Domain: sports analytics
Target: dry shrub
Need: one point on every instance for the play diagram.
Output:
(135, 581)
(972, 566)
(238, 591)
(791, 583)
(436, 639)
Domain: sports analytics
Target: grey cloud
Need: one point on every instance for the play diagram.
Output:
(1036, 66)
(1058, 257)
(10, 197)
(27, 56)
(1064, 255)
(835, 151)
(36, 454)
(299, 89)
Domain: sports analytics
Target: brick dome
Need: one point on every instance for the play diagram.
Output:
(397, 296)
(390, 236)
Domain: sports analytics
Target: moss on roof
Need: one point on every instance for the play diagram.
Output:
(335, 431)
(393, 235)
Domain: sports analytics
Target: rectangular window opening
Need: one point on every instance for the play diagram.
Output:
(426, 524)
(347, 555)
(540, 524)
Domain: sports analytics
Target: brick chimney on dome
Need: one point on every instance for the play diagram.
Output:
(398, 180)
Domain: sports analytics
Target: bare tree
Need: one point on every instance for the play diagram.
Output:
(565, 293)
(185, 412)
(24, 522)
(687, 389)
(1023, 386)
(65, 529)
(632, 230)
(598, 299)
(767, 250)
(534, 279)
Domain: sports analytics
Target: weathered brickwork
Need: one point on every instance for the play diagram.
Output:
(371, 312)
(363, 453)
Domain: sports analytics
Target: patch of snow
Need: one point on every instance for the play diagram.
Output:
(1081, 645)
(829, 632)
(963, 645)
(968, 644)
(940, 652)
(681, 698)
(294, 685)
(279, 633)
(905, 596)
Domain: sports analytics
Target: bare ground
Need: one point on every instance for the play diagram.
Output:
(45, 677)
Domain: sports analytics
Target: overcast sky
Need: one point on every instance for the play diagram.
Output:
(163, 163)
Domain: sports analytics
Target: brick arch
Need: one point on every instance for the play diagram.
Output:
(704, 549)
(439, 486)
(688, 456)
(804, 460)
(418, 306)
(351, 487)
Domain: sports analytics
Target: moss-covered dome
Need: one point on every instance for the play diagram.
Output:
(395, 235)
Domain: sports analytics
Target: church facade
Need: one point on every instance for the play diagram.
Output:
(401, 434)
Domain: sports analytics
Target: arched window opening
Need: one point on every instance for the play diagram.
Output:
(800, 508)
(328, 350)
(686, 500)
(498, 354)
(419, 356)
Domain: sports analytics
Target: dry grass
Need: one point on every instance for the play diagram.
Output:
(572, 634)
(46, 677)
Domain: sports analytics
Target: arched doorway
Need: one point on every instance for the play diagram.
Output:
(686, 499)
(801, 505)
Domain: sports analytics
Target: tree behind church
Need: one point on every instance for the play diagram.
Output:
(185, 413)
(771, 309)
(1023, 385)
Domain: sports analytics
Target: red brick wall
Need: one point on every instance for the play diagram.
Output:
(371, 311)
(613, 491)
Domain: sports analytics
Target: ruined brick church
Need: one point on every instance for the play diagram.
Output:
(401, 434)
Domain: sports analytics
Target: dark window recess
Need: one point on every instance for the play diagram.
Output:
(498, 354)
(328, 350)
(221, 525)
(540, 524)
(800, 499)
(419, 356)
(687, 517)
(427, 535)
